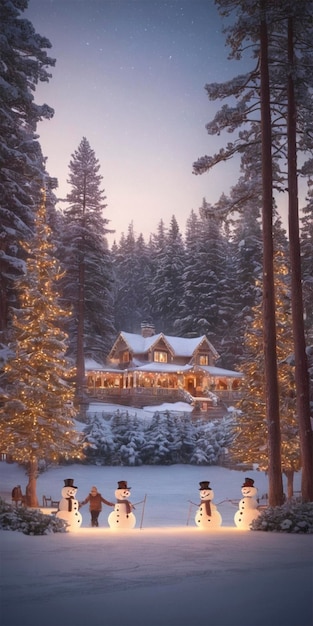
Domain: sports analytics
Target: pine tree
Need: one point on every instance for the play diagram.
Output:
(162, 440)
(100, 444)
(201, 307)
(167, 282)
(246, 254)
(87, 284)
(24, 62)
(36, 420)
(251, 441)
(132, 278)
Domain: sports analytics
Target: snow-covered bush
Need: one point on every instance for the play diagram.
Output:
(212, 441)
(291, 517)
(98, 436)
(29, 521)
(123, 439)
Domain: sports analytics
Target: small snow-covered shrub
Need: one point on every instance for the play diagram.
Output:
(29, 521)
(291, 517)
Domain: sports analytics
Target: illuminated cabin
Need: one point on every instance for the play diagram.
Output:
(150, 368)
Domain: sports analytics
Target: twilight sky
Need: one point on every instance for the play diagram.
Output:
(130, 77)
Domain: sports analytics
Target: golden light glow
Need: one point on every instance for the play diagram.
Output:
(250, 444)
(36, 422)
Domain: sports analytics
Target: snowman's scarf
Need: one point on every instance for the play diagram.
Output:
(70, 503)
(207, 507)
(128, 505)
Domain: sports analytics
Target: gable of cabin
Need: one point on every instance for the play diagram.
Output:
(121, 353)
(160, 351)
(204, 354)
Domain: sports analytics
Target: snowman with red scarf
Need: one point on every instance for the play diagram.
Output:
(207, 515)
(122, 518)
(68, 506)
(248, 505)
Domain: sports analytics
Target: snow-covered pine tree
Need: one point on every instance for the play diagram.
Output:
(87, 284)
(167, 283)
(98, 436)
(36, 419)
(132, 277)
(157, 245)
(212, 440)
(162, 440)
(131, 448)
(246, 246)
(184, 322)
(128, 437)
(24, 62)
(204, 277)
(187, 438)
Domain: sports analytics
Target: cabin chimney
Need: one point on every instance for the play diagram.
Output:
(147, 329)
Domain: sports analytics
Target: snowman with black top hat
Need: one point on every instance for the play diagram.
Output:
(248, 505)
(68, 506)
(122, 518)
(207, 515)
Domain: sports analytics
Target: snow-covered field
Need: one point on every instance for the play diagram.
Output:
(162, 573)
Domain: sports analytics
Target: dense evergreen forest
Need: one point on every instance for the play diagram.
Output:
(206, 281)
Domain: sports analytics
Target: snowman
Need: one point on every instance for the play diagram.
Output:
(68, 506)
(207, 515)
(122, 517)
(248, 510)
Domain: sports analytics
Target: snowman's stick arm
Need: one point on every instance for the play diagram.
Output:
(143, 510)
(189, 510)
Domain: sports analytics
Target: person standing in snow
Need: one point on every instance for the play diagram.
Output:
(95, 500)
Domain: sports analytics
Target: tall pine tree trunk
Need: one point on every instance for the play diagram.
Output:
(80, 358)
(289, 475)
(269, 325)
(301, 365)
(31, 487)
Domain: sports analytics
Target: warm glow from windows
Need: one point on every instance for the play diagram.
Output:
(160, 356)
(125, 357)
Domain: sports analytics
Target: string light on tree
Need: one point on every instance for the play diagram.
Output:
(36, 423)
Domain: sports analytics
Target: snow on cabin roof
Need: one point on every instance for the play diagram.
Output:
(168, 368)
(165, 368)
(219, 371)
(181, 346)
(92, 366)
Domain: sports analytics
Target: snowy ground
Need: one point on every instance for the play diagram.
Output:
(144, 414)
(166, 573)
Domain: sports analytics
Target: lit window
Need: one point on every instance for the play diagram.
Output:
(125, 357)
(160, 357)
(203, 359)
